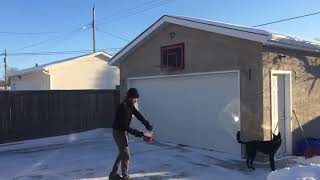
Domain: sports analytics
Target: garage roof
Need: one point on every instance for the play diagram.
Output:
(253, 34)
(45, 66)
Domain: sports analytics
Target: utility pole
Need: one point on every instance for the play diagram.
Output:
(5, 69)
(94, 29)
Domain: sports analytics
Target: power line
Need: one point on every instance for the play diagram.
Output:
(56, 52)
(288, 19)
(131, 13)
(50, 39)
(64, 38)
(113, 35)
(127, 10)
(145, 7)
(144, 10)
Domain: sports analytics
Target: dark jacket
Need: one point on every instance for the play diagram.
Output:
(123, 118)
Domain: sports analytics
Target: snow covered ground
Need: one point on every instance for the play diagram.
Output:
(90, 155)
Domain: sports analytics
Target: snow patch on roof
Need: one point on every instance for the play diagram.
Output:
(295, 41)
(225, 25)
(248, 33)
(274, 38)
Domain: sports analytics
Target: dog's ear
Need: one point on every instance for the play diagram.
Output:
(279, 134)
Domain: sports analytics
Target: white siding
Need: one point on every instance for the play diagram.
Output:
(87, 73)
(33, 81)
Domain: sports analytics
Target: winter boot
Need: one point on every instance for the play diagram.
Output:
(114, 176)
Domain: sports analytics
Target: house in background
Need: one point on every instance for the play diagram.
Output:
(2, 85)
(201, 81)
(91, 71)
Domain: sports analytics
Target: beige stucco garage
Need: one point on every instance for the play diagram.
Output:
(185, 68)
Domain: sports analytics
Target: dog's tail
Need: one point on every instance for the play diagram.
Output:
(238, 138)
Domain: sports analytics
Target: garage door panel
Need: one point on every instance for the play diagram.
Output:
(197, 110)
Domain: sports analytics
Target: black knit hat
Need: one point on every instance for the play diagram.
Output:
(133, 93)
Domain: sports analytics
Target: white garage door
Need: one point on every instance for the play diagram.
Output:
(200, 110)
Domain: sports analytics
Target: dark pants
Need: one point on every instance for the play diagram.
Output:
(121, 139)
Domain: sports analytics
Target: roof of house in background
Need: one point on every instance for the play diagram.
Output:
(45, 66)
(248, 33)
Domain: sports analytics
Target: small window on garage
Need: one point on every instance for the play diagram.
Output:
(172, 57)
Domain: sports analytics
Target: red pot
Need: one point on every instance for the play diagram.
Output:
(148, 136)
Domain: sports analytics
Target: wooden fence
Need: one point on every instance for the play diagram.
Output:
(38, 114)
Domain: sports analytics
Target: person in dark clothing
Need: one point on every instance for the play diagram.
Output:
(121, 128)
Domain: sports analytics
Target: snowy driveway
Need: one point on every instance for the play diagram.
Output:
(90, 155)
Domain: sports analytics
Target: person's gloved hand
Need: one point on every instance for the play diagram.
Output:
(139, 134)
(149, 127)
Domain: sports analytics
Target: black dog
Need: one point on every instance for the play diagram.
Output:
(266, 147)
